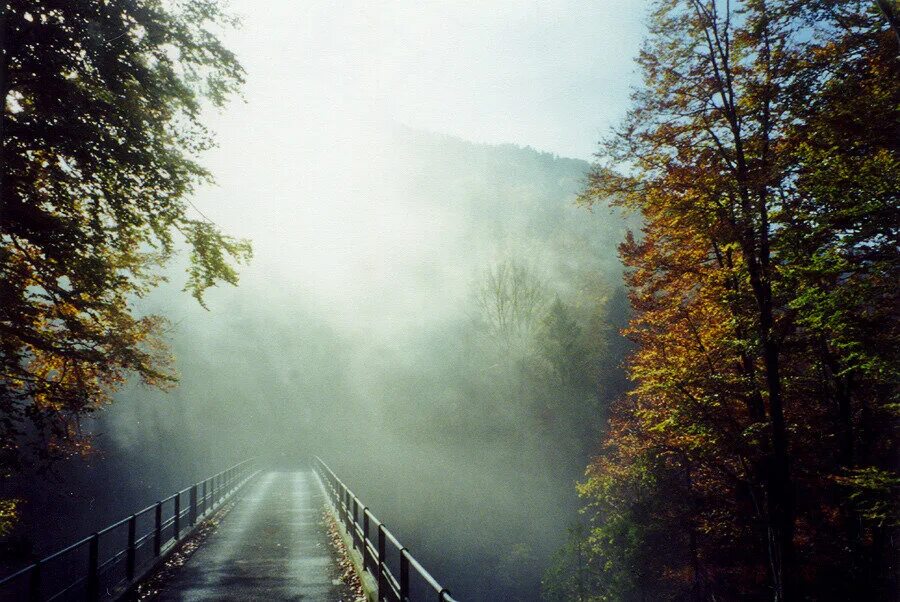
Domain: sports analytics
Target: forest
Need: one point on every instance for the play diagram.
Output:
(666, 371)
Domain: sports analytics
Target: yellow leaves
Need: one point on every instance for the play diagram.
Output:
(77, 350)
(348, 575)
(9, 514)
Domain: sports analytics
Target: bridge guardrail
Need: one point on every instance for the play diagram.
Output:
(107, 563)
(375, 553)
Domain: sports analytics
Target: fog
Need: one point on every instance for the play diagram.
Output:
(383, 164)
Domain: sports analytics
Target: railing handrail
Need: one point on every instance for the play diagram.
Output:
(359, 536)
(223, 485)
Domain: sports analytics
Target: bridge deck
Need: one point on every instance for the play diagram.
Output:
(273, 545)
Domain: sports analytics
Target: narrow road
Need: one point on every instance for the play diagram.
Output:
(273, 545)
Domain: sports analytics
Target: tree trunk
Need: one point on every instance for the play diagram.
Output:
(780, 495)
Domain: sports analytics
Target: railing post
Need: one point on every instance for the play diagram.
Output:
(347, 510)
(349, 513)
(404, 574)
(157, 530)
(355, 533)
(193, 513)
(382, 581)
(93, 576)
(176, 522)
(34, 589)
(130, 553)
(365, 547)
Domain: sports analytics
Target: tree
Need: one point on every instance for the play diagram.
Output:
(762, 154)
(100, 133)
(569, 577)
(561, 343)
(511, 302)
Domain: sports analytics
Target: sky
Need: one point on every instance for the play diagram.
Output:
(549, 74)
(304, 167)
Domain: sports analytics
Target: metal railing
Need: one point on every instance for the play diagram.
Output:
(376, 555)
(108, 562)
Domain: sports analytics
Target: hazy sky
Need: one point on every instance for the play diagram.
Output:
(304, 166)
(551, 74)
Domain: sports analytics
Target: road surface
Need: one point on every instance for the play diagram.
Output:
(273, 545)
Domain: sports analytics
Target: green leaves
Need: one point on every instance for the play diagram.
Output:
(873, 493)
(100, 145)
(762, 153)
(210, 250)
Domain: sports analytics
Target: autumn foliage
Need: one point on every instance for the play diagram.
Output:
(100, 131)
(754, 458)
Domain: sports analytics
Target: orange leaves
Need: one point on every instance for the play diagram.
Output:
(761, 152)
(76, 350)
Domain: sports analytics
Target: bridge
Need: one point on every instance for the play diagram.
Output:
(245, 533)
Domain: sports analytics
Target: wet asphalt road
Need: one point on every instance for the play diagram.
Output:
(273, 545)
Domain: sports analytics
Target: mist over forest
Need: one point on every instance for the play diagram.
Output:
(289, 230)
(458, 382)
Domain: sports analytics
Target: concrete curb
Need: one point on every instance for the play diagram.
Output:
(369, 585)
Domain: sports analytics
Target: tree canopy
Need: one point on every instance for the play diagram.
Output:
(101, 129)
(754, 457)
